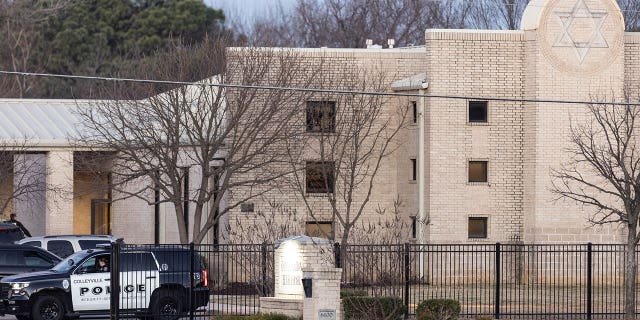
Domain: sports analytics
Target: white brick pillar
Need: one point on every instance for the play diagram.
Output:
(293, 255)
(59, 198)
(324, 303)
(30, 175)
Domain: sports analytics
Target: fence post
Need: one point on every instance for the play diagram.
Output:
(589, 284)
(336, 254)
(192, 270)
(114, 266)
(497, 276)
(407, 270)
(263, 269)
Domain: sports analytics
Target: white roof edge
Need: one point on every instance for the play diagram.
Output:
(472, 31)
(414, 82)
(419, 48)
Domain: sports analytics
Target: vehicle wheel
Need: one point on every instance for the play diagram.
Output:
(23, 317)
(48, 307)
(166, 306)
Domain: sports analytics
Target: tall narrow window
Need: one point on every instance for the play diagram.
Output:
(477, 171)
(477, 227)
(321, 116)
(477, 111)
(414, 227)
(414, 106)
(320, 177)
(414, 170)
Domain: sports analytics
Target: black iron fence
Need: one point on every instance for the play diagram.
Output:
(496, 280)
(194, 281)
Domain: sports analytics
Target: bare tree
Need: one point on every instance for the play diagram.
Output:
(21, 179)
(603, 173)
(20, 34)
(225, 137)
(631, 12)
(348, 138)
(497, 14)
(349, 23)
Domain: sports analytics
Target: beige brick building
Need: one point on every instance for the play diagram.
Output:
(477, 167)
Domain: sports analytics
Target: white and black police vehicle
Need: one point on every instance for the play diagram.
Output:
(155, 282)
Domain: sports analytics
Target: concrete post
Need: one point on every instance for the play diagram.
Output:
(324, 304)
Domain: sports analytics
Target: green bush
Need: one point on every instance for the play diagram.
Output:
(363, 307)
(438, 309)
(344, 293)
(270, 316)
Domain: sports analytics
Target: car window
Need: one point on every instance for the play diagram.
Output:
(94, 264)
(10, 235)
(11, 258)
(61, 248)
(33, 244)
(137, 261)
(90, 244)
(34, 259)
(177, 260)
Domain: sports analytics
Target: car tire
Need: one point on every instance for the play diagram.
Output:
(48, 307)
(166, 306)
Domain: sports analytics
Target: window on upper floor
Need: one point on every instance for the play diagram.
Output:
(477, 111)
(320, 177)
(321, 116)
(478, 171)
(414, 170)
(414, 107)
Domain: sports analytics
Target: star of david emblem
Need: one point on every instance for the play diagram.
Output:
(581, 17)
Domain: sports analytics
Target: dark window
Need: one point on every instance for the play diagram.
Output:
(477, 111)
(414, 106)
(477, 171)
(11, 258)
(34, 259)
(477, 227)
(9, 235)
(246, 207)
(414, 170)
(90, 244)
(320, 177)
(171, 260)
(33, 244)
(414, 227)
(139, 261)
(321, 116)
(60, 248)
(320, 229)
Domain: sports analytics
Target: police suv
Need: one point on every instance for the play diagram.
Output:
(155, 282)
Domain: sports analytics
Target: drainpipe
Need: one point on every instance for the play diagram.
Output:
(421, 178)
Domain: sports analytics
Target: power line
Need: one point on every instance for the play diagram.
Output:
(316, 90)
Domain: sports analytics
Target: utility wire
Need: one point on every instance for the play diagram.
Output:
(317, 90)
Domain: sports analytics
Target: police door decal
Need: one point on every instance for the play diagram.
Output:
(139, 277)
(90, 285)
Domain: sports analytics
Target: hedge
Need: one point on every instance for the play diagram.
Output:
(363, 307)
(438, 309)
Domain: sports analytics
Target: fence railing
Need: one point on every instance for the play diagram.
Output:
(494, 279)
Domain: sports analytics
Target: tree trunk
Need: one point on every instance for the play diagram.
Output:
(630, 274)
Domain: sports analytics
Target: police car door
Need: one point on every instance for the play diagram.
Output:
(90, 286)
(139, 277)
